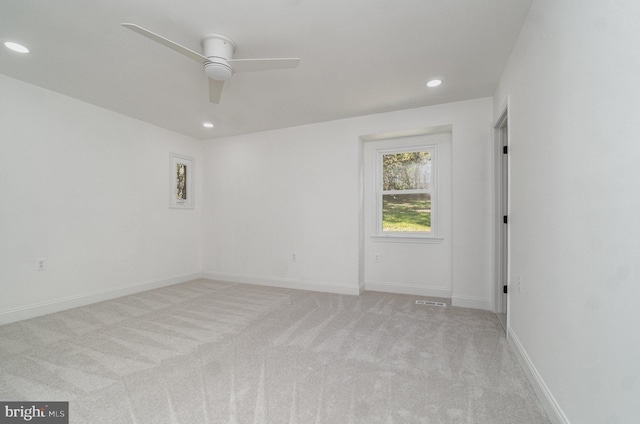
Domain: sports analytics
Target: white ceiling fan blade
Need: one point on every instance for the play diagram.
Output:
(215, 90)
(166, 42)
(266, 64)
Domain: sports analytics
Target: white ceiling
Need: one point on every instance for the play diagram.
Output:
(357, 56)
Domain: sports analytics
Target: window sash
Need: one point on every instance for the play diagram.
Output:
(380, 193)
(416, 191)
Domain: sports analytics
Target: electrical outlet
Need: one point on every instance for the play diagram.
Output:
(519, 283)
(377, 257)
(41, 264)
(293, 257)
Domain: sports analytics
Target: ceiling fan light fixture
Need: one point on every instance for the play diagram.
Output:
(16, 47)
(434, 83)
(218, 71)
(217, 57)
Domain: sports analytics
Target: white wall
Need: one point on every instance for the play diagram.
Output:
(575, 200)
(298, 191)
(87, 189)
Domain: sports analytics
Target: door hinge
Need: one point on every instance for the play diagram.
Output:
(505, 219)
(505, 149)
(504, 289)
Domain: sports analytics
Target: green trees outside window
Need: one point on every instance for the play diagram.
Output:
(406, 191)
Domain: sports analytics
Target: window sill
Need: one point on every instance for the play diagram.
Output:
(407, 239)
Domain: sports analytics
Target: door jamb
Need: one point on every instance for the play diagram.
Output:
(498, 224)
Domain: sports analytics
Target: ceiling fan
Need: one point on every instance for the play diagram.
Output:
(217, 58)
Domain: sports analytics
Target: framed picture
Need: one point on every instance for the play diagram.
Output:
(181, 181)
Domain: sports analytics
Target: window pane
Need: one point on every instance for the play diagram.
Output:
(406, 212)
(406, 171)
(181, 181)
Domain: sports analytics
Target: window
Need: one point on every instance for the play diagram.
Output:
(406, 197)
(181, 182)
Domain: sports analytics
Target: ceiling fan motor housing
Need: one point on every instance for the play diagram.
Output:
(218, 49)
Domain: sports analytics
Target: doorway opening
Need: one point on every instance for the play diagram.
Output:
(502, 219)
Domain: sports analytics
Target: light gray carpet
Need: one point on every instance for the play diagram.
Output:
(214, 352)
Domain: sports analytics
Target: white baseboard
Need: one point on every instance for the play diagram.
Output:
(44, 308)
(472, 302)
(286, 283)
(382, 286)
(549, 403)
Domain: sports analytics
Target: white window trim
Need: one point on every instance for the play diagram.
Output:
(407, 236)
(407, 239)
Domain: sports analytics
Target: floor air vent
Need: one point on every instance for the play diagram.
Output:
(430, 303)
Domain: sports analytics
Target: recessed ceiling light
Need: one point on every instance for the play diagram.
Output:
(434, 83)
(16, 47)
(207, 124)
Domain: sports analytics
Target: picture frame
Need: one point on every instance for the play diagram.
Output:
(181, 184)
